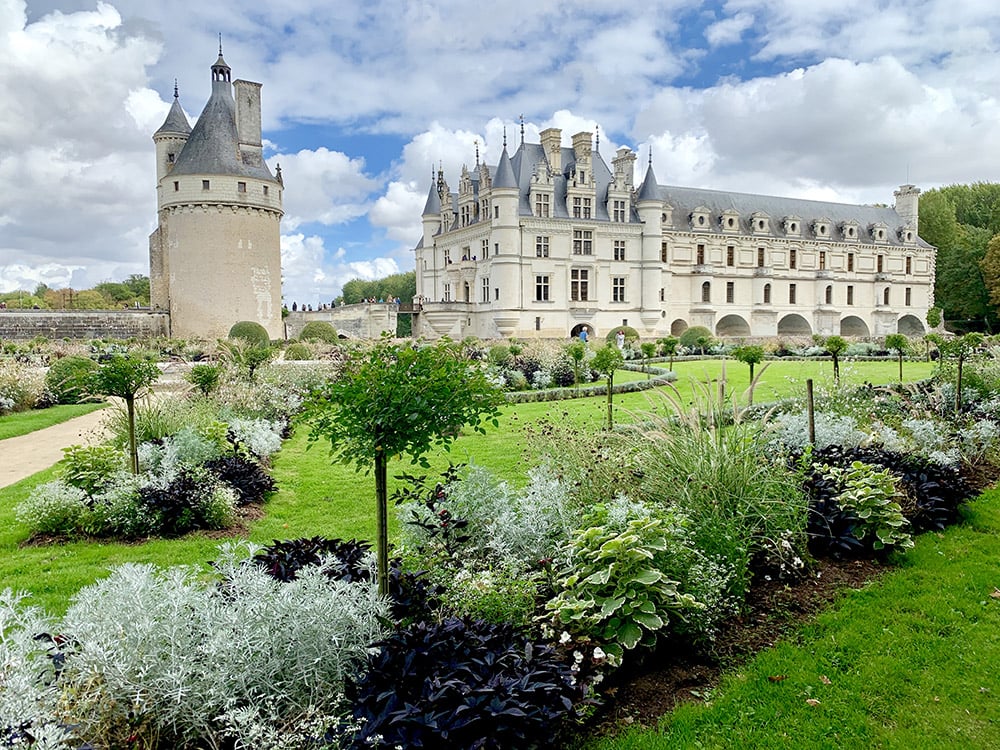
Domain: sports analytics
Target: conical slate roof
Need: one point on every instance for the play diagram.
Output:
(176, 122)
(433, 204)
(504, 177)
(649, 191)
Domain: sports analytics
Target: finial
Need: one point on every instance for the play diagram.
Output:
(277, 174)
(477, 152)
(598, 146)
(220, 44)
(505, 137)
(650, 154)
(522, 129)
(175, 89)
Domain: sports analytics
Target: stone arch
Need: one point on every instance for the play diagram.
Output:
(910, 325)
(732, 325)
(678, 327)
(575, 331)
(794, 325)
(852, 325)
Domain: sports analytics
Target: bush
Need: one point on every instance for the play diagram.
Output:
(463, 684)
(21, 387)
(319, 330)
(298, 352)
(53, 508)
(191, 500)
(696, 337)
(630, 334)
(248, 478)
(205, 377)
(251, 332)
(91, 467)
(871, 495)
(68, 378)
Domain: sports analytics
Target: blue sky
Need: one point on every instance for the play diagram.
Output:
(832, 99)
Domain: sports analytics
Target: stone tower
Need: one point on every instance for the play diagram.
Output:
(215, 257)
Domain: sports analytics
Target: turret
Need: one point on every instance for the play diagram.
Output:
(504, 273)
(649, 205)
(170, 138)
(431, 217)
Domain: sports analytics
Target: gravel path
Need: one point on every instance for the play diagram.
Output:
(25, 455)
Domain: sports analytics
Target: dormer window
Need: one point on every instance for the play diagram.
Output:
(850, 231)
(821, 228)
(880, 232)
(700, 219)
(792, 226)
(760, 223)
(907, 236)
(729, 222)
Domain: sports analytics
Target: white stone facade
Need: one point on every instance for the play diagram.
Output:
(551, 240)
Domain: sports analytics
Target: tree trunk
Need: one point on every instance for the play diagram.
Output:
(133, 449)
(958, 386)
(382, 532)
(611, 382)
(900, 367)
(836, 369)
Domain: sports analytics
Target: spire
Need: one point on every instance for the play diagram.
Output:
(650, 190)
(221, 70)
(504, 177)
(597, 146)
(176, 122)
(277, 174)
(176, 94)
(220, 44)
(477, 153)
(433, 205)
(504, 137)
(522, 130)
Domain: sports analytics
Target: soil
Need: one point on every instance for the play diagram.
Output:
(642, 694)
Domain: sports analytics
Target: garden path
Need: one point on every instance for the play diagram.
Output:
(22, 456)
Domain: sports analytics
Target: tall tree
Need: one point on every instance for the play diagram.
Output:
(394, 399)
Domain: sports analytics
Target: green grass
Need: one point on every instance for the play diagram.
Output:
(23, 422)
(910, 660)
(317, 497)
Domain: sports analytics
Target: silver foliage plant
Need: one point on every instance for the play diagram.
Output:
(186, 661)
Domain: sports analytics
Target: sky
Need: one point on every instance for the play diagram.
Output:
(840, 100)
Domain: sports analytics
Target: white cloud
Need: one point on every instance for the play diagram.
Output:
(728, 30)
(312, 274)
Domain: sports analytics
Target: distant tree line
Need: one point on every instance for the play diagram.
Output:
(402, 285)
(108, 295)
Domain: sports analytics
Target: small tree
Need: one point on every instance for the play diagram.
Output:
(668, 348)
(606, 360)
(752, 355)
(961, 348)
(247, 357)
(125, 377)
(897, 342)
(577, 351)
(397, 399)
(835, 346)
(934, 315)
(648, 350)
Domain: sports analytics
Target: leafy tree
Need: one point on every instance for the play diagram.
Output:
(668, 348)
(752, 355)
(606, 360)
(125, 376)
(402, 285)
(577, 351)
(934, 317)
(394, 399)
(961, 347)
(648, 351)
(897, 342)
(835, 346)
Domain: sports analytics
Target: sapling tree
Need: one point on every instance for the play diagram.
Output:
(606, 360)
(127, 377)
(835, 346)
(577, 351)
(961, 348)
(394, 399)
(648, 349)
(898, 343)
(668, 348)
(753, 355)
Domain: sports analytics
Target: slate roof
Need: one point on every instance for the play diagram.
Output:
(176, 122)
(433, 204)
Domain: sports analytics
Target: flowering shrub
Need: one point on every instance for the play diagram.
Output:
(21, 386)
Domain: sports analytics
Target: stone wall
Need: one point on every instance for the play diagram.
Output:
(82, 324)
(361, 321)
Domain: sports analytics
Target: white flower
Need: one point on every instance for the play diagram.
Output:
(565, 638)
(599, 653)
(577, 657)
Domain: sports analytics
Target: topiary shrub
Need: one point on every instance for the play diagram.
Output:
(251, 332)
(463, 684)
(67, 379)
(298, 352)
(630, 334)
(319, 330)
(696, 337)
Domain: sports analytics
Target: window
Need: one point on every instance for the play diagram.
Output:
(205, 185)
(879, 263)
(265, 191)
(177, 186)
(767, 294)
(541, 289)
(850, 261)
(706, 292)
(465, 212)
(885, 296)
(486, 290)
(541, 247)
(586, 207)
(496, 295)
(496, 248)
(583, 242)
(663, 252)
(730, 256)
(850, 295)
(822, 260)
(447, 257)
(578, 208)
(619, 249)
(618, 289)
(170, 158)
(791, 294)
(485, 245)
(447, 293)
(760, 257)
(730, 291)
(792, 259)
(538, 323)
(241, 187)
(700, 256)
(907, 296)
(662, 294)
(909, 265)
(829, 295)
(542, 204)
(579, 284)
(619, 211)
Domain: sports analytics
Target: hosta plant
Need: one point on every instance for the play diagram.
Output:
(871, 494)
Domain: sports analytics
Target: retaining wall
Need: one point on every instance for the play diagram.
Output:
(83, 324)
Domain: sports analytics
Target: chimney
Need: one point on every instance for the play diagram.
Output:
(247, 95)
(552, 146)
(583, 145)
(907, 205)
(624, 166)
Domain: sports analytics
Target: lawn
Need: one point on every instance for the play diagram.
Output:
(23, 422)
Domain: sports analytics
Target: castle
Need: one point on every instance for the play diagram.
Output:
(215, 256)
(552, 240)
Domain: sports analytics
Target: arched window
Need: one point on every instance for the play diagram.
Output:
(885, 296)
(767, 294)
(706, 292)
(829, 295)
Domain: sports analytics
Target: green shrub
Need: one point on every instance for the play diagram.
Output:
(494, 596)
(205, 377)
(251, 332)
(21, 387)
(499, 354)
(67, 379)
(298, 352)
(319, 330)
(696, 337)
(53, 508)
(630, 334)
(92, 467)
(870, 492)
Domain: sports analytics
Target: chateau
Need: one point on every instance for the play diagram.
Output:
(215, 257)
(552, 240)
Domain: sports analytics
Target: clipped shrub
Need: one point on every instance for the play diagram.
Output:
(67, 380)
(319, 330)
(630, 334)
(252, 332)
(248, 478)
(463, 684)
(298, 352)
(696, 337)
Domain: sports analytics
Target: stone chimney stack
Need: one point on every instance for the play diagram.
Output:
(552, 146)
(907, 205)
(624, 167)
(583, 145)
(247, 94)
